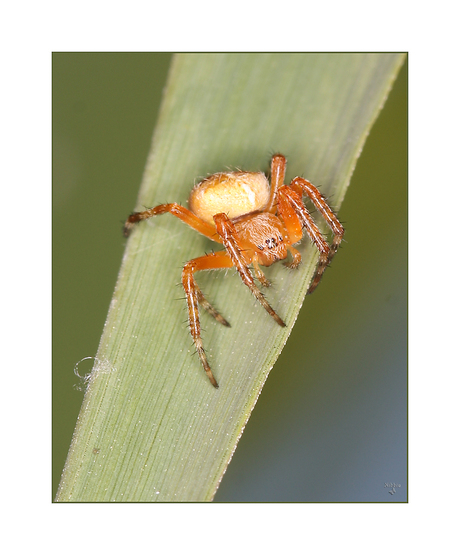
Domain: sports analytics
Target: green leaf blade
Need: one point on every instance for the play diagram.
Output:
(152, 428)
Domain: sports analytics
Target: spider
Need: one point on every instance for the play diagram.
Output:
(258, 223)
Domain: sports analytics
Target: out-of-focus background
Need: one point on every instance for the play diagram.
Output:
(331, 422)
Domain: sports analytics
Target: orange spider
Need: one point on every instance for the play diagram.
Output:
(257, 223)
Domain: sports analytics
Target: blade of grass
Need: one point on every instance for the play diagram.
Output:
(151, 426)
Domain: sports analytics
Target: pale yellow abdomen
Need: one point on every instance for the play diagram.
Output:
(234, 193)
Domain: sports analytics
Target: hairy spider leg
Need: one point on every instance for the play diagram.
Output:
(229, 236)
(194, 296)
(258, 272)
(295, 200)
(180, 212)
(277, 173)
(292, 223)
(303, 185)
(207, 305)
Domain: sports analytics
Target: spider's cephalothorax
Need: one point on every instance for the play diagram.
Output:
(257, 223)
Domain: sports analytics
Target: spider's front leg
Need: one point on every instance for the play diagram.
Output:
(296, 216)
(229, 236)
(294, 212)
(303, 186)
(194, 296)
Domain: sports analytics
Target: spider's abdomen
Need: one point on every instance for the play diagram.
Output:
(234, 193)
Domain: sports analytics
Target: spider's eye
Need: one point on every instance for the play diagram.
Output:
(261, 247)
(271, 243)
(280, 238)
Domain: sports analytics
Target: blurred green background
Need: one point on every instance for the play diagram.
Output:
(331, 422)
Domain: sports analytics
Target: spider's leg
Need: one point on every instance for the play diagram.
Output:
(194, 296)
(292, 223)
(209, 308)
(259, 274)
(277, 173)
(176, 210)
(290, 199)
(303, 185)
(229, 236)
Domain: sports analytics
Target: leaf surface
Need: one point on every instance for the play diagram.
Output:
(152, 428)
